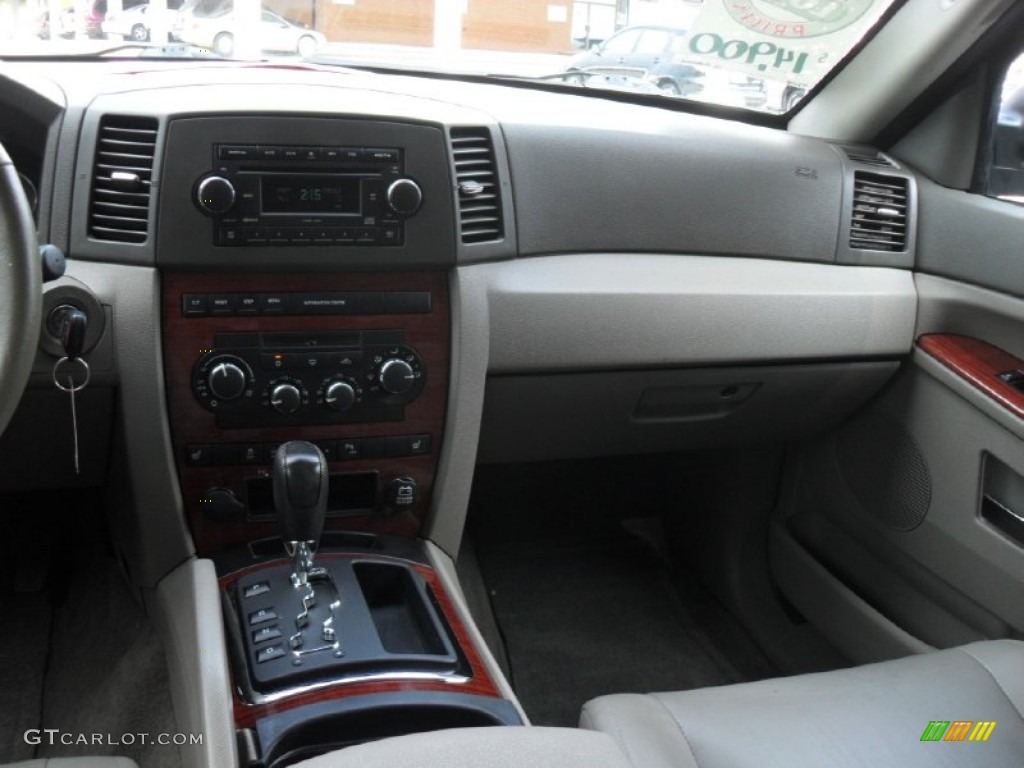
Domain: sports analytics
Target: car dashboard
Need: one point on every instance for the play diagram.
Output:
(419, 275)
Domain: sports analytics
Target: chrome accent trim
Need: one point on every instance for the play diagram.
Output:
(248, 695)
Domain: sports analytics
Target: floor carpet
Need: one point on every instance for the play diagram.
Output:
(84, 658)
(588, 601)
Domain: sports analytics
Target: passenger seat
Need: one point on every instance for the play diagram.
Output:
(916, 711)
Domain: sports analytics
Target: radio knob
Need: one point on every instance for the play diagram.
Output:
(340, 395)
(227, 379)
(215, 195)
(286, 398)
(404, 197)
(396, 376)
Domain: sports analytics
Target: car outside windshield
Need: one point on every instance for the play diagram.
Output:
(762, 55)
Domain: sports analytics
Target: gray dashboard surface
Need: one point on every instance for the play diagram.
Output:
(586, 173)
(608, 311)
(682, 184)
(970, 237)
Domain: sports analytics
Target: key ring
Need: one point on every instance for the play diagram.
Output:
(73, 387)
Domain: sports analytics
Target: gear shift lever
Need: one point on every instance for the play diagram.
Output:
(300, 498)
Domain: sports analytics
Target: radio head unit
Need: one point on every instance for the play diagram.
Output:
(264, 195)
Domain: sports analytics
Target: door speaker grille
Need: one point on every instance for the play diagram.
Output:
(886, 472)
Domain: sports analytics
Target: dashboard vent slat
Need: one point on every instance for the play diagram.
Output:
(880, 205)
(867, 156)
(122, 174)
(476, 179)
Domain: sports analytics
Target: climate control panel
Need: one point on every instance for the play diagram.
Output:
(303, 378)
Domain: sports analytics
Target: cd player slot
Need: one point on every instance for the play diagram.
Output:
(306, 339)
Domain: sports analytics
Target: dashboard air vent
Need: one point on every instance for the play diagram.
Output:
(880, 205)
(868, 156)
(119, 211)
(476, 177)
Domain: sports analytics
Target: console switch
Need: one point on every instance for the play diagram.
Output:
(402, 493)
(262, 616)
(269, 653)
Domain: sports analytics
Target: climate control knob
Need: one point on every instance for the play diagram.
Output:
(404, 197)
(215, 195)
(340, 395)
(396, 376)
(227, 378)
(285, 398)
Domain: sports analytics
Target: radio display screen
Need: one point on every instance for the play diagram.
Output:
(336, 195)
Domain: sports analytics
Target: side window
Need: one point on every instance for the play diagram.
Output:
(653, 41)
(1006, 172)
(621, 44)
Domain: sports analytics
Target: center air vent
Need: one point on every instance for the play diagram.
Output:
(476, 177)
(119, 211)
(879, 220)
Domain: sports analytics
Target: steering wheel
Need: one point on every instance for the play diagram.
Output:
(21, 280)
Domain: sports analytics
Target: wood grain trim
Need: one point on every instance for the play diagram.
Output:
(480, 682)
(185, 337)
(978, 363)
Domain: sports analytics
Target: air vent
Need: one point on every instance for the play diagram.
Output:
(476, 177)
(868, 156)
(879, 220)
(121, 179)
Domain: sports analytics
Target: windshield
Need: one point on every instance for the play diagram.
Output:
(762, 55)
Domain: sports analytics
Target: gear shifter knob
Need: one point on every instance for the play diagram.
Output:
(300, 498)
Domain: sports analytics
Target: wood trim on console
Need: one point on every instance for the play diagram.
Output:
(980, 364)
(480, 682)
(185, 339)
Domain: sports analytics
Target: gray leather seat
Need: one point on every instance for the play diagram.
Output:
(874, 715)
(495, 747)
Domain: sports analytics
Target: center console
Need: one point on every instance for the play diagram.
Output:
(356, 363)
(307, 396)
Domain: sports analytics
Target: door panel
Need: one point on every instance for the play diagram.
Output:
(889, 506)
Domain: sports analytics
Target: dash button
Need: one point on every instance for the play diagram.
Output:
(257, 589)
(269, 653)
(262, 616)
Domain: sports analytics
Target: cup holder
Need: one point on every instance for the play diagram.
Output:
(306, 732)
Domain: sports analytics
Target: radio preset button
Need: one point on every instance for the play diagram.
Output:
(222, 303)
(247, 304)
(194, 305)
(273, 303)
(382, 155)
(233, 152)
(229, 236)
